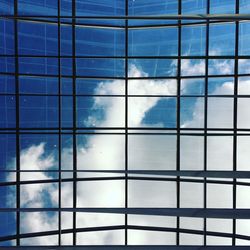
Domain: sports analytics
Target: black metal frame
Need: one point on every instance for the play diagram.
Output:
(177, 176)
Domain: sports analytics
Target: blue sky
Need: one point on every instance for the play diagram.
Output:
(42, 111)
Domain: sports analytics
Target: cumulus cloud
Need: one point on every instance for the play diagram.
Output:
(107, 152)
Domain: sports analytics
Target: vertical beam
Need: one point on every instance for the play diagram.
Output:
(17, 123)
(205, 123)
(74, 119)
(59, 120)
(178, 122)
(126, 120)
(235, 115)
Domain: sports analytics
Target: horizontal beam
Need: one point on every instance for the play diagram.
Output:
(226, 213)
(118, 247)
(181, 173)
(149, 17)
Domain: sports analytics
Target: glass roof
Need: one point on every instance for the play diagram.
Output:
(124, 122)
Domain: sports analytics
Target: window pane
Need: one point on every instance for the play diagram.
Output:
(99, 42)
(149, 194)
(37, 39)
(153, 42)
(7, 36)
(39, 7)
(218, 34)
(148, 7)
(193, 40)
(7, 111)
(244, 38)
(38, 111)
(152, 152)
(222, 7)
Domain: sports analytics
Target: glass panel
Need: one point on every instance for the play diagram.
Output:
(220, 225)
(194, 86)
(220, 153)
(7, 84)
(37, 39)
(38, 111)
(7, 36)
(243, 116)
(67, 111)
(244, 38)
(156, 7)
(192, 67)
(192, 112)
(152, 87)
(243, 156)
(99, 42)
(139, 237)
(244, 86)
(242, 199)
(39, 195)
(149, 193)
(244, 66)
(212, 240)
(101, 238)
(39, 7)
(153, 42)
(191, 195)
(194, 6)
(7, 152)
(8, 196)
(220, 67)
(100, 87)
(42, 66)
(38, 85)
(222, 39)
(222, 7)
(152, 67)
(29, 221)
(101, 151)
(221, 86)
(100, 112)
(152, 112)
(7, 65)
(101, 7)
(100, 67)
(66, 40)
(7, 111)
(39, 152)
(193, 40)
(6, 7)
(8, 223)
(100, 194)
(219, 196)
(244, 6)
(191, 153)
(152, 152)
(220, 112)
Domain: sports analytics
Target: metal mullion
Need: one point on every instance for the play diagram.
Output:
(59, 122)
(172, 179)
(74, 119)
(235, 118)
(205, 125)
(129, 78)
(229, 17)
(17, 125)
(126, 121)
(178, 123)
(133, 57)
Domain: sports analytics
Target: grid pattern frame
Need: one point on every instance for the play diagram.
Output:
(56, 116)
